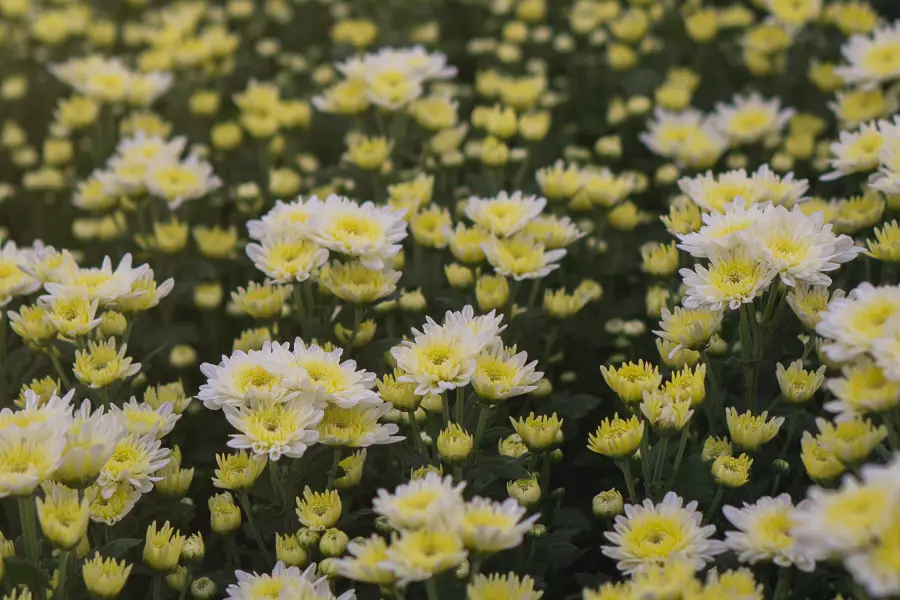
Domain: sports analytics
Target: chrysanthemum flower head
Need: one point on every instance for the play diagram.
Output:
(852, 440)
(425, 502)
(274, 428)
(855, 322)
(239, 470)
(631, 380)
(765, 533)
(539, 432)
(666, 414)
(733, 278)
(162, 547)
(502, 373)
(617, 438)
(319, 510)
(505, 214)
(489, 527)
(749, 431)
(421, 554)
(353, 282)
(105, 577)
(521, 257)
(798, 385)
(497, 587)
(731, 471)
(356, 427)
(367, 562)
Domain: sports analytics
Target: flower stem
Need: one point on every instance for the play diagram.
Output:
(29, 527)
(484, 413)
(431, 589)
(782, 589)
(54, 359)
(334, 466)
(417, 437)
(645, 465)
(157, 587)
(660, 459)
(625, 465)
(720, 491)
(445, 408)
(460, 406)
(245, 504)
(60, 591)
(680, 454)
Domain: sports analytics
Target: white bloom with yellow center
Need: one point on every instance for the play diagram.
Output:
(90, 439)
(274, 428)
(357, 427)
(143, 419)
(721, 230)
(505, 214)
(111, 509)
(486, 328)
(886, 349)
(713, 192)
(284, 582)
(145, 293)
(367, 563)
(29, 457)
(102, 284)
(502, 373)
(100, 364)
(521, 257)
(287, 259)
(315, 370)
(242, 377)
(732, 278)
(438, 358)
(37, 413)
(782, 191)
(370, 233)
(13, 280)
(421, 554)
(134, 461)
(649, 534)
(876, 567)
(872, 59)
(750, 118)
(855, 152)
(855, 322)
(46, 263)
(799, 247)
(489, 527)
(178, 182)
(764, 533)
(426, 502)
(285, 220)
(862, 388)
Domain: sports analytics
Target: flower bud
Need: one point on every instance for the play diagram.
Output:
(454, 443)
(289, 550)
(224, 515)
(203, 588)
(608, 504)
(334, 542)
(525, 491)
(462, 571)
(307, 538)
(194, 549)
(178, 579)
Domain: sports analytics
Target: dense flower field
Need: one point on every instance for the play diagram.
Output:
(482, 299)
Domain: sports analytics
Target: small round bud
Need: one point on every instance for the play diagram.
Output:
(462, 571)
(781, 466)
(608, 504)
(203, 588)
(334, 542)
(307, 537)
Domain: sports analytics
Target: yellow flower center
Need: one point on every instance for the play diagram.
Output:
(884, 59)
(654, 536)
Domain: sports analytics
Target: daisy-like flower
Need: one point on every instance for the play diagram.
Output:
(45, 263)
(288, 259)
(505, 214)
(721, 231)
(617, 438)
(145, 293)
(750, 118)
(135, 461)
(855, 152)
(631, 380)
(260, 301)
(242, 377)
(886, 349)
(102, 284)
(732, 278)
(367, 232)
(863, 388)
(688, 137)
(357, 427)
(319, 510)
(665, 413)
(286, 220)
(354, 282)
(143, 419)
(713, 192)
(848, 519)
(313, 369)
(798, 385)
(438, 358)
(509, 586)
(649, 534)
(521, 257)
(419, 555)
(781, 191)
(38, 412)
(854, 323)
(274, 428)
(100, 364)
(179, 182)
(809, 302)
(486, 328)
(688, 327)
(283, 582)
(29, 457)
(872, 59)
(501, 373)
(799, 247)
(90, 438)
(750, 432)
(238, 471)
(368, 562)
(851, 440)
(875, 567)
(111, 508)
(553, 232)
(764, 533)
(426, 502)
(489, 527)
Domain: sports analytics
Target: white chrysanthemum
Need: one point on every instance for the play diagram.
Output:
(872, 59)
(55, 412)
(488, 526)
(143, 419)
(134, 461)
(502, 373)
(46, 263)
(876, 567)
(427, 502)
(241, 377)
(713, 192)
(176, 183)
(150, 149)
(284, 582)
(721, 231)
(111, 509)
(863, 388)
(505, 214)
(91, 439)
(29, 457)
(287, 259)
(315, 370)
(750, 118)
(855, 322)
(439, 358)
(274, 428)
(365, 231)
(886, 349)
(649, 534)
(732, 278)
(668, 133)
(357, 427)
(521, 257)
(13, 280)
(842, 521)
(285, 220)
(764, 533)
(777, 189)
(486, 328)
(855, 152)
(799, 247)
(102, 284)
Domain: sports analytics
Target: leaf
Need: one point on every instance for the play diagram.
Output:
(19, 571)
(118, 548)
(571, 406)
(498, 467)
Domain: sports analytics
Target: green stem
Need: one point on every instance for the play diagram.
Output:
(431, 589)
(357, 321)
(183, 594)
(157, 587)
(660, 459)
(720, 491)
(334, 466)
(232, 551)
(445, 408)
(460, 406)
(417, 438)
(29, 527)
(680, 454)
(783, 588)
(474, 567)
(244, 500)
(532, 295)
(484, 413)
(625, 465)
(54, 359)
(60, 591)
(645, 466)
(748, 355)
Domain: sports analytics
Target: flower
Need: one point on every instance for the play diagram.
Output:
(454, 444)
(287, 259)
(355, 283)
(648, 534)
(356, 427)
(13, 280)
(495, 587)
(162, 547)
(238, 471)
(809, 302)
(765, 533)
(100, 364)
(854, 323)
(631, 380)
(851, 441)
(820, 464)
(316, 370)
(488, 527)
(733, 278)
(427, 502)
(750, 118)
(505, 214)
(368, 562)
(366, 232)
(521, 257)
(134, 460)
(319, 510)
(750, 432)
(283, 581)
(224, 515)
(731, 471)
(90, 440)
(62, 515)
(617, 438)
(862, 388)
(687, 384)
(796, 384)
(872, 59)
(689, 328)
(274, 428)
(539, 432)
(29, 457)
(242, 377)
(501, 373)
(874, 567)
(112, 509)
(105, 577)
(420, 554)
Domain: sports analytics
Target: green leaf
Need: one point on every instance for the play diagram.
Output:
(118, 548)
(491, 468)
(19, 571)
(570, 406)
